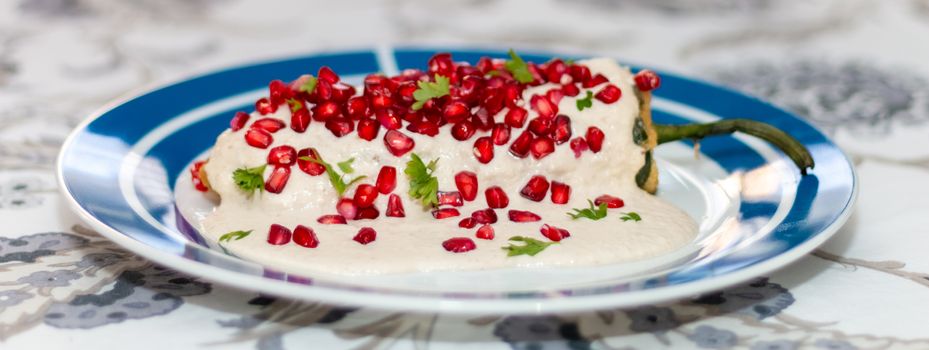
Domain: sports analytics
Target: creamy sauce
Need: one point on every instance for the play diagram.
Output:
(414, 243)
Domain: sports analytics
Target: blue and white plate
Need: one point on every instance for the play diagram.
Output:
(124, 171)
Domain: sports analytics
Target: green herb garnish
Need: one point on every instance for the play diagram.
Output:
(337, 180)
(585, 102)
(569, 61)
(518, 68)
(309, 85)
(630, 216)
(429, 90)
(593, 213)
(250, 179)
(234, 235)
(531, 246)
(346, 166)
(423, 185)
(294, 104)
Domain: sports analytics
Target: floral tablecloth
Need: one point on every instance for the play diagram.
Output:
(858, 69)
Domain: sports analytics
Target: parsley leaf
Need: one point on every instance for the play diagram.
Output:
(585, 102)
(530, 247)
(309, 85)
(423, 185)
(630, 216)
(593, 213)
(234, 235)
(336, 179)
(518, 68)
(429, 90)
(294, 104)
(569, 61)
(250, 179)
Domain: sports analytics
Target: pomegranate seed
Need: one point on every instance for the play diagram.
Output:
(365, 235)
(609, 94)
(596, 80)
(594, 139)
(341, 92)
(265, 107)
(340, 126)
(445, 213)
(381, 102)
(561, 129)
(424, 127)
(441, 64)
(520, 147)
(365, 195)
(483, 120)
(484, 216)
(467, 223)
(523, 216)
(496, 198)
(452, 198)
(347, 208)
(278, 235)
(323, 92)
(386, 179)
(610, 201)
(405, 93)
(570, 90)
(397, 143)
(195, 176)
(456, 111)
(300, 120)
(331, 220)
(561, 192)
(238, 122)
(578, 145)
(540, 126)
(484, 149)
(368, 129)
(459, 245)
(579, 73)
(258, 138)
(369, 213)
(305, 237)
(555, 70)
(326, 110)
(463, 130)
(470, 89)
(542, 147)
(309, 167)
(466, 182)
(485, 65)
(388, 119)
(357, 107)
(278, 92)
(545, 107)
(268, 124)
(395, 206)
(555, 95)
(374, 82)
(500, 134)
(326, 74)
(278, 179)
(647, 80)
(516, 117)
(554, 233)
(535, 189)
(485, 232)
(282, 155)
(464, 70)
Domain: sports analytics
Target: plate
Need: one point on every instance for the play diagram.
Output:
(124, 172)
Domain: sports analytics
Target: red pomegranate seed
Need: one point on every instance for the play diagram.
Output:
(452, 198)
(555, 70)
(570, 90)
(485, 65)
(647, 80)
(331, 220)
(347, 208)
(594, 139)
(555, 95)
(516, 117)
(609, 94)
(397, 143)
(594, 81)
(258, 138)
(282, 155)
(441, 64)
(554, 233)
(471, 88)
(365, 195)
(368, 129)
(545, 107)
(300, 120)
(445, 213)
(523, 216)
(369, 213)
(456, 111)
(386, 179)
(388, 119)
(326, 74)
(278, 235)
(520, 146)
(561, 192)
(463, 130)
(496, 198)
(541, 147)
(561, 129)
(535, 189)
(424, 127)
(305, 237)
(381, 102)
(365, 235)
(484, 216)
(310, 167)
(467, 223)
(265, 107)
(340, 126)
(579, 73)
(238, 122)
(483, 120)
(540, 126)
(466, 182)
(485, 232)
(459, 245)
(341, 92)
(323, 92)
(278, 92)
(278, 179)
(326, 110)
(484, 149)
(374, 82)
(578, 145)
(357, 108)
(500, 134)
(610, 201)
(395, 206)
(195, 176)
(268, 124)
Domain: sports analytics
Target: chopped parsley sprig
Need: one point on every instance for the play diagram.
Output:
(250, 179)
(585, 102)
(630, 216)
(429, 90)
(593, 213)
(309, 85)
(423, 185)
(519, 68)
(530, 247)
(337, 180)
(234, 235)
